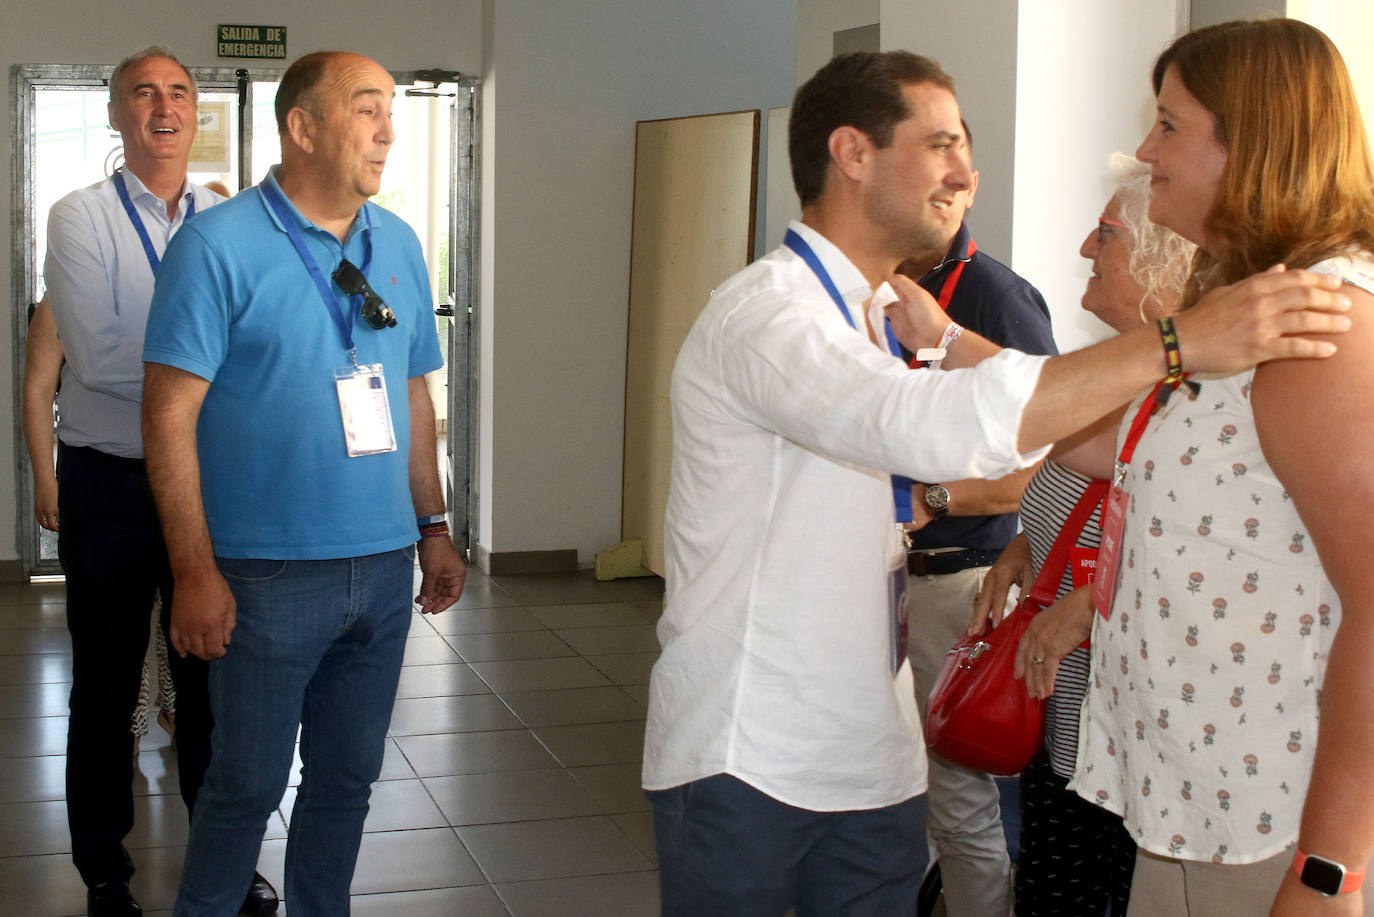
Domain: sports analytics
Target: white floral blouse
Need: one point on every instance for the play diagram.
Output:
(1201, 716)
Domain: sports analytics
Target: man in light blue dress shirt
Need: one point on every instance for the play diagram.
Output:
(105, 243)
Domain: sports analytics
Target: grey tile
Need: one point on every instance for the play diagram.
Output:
(483, 593)
(615, 787)
(158, 873)
(573, 705)
(394, 763)
(539, 674)
(626, 668)
(396, 805)
(627, 894)
(531, 644)
(48, 614)
(472, 901)
(553, 589)
(420, 625)
(636, 589)
(484, 621)
(33, 779)
(45, 829)
(34, 700)
(550, 849)
(48, 885)
(159, 821)
(466, 713)
(475, 799)
(639, 692)
(596, 641)
(651, 610)
(19, 641)
(30, 594)
(394, 861)
(440, 681)
(429, 650)
(596, 614)
(402, 804)
(639, 828)
(156, 772)
(43, 668)
(32, 736)
(601, 743)
(475, 752)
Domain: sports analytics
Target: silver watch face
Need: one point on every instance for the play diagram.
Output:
(937, 497)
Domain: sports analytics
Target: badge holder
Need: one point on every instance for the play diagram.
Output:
(365, 409)
(1108, 573)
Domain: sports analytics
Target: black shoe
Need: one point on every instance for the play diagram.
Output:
(112, 899)
(262, 898)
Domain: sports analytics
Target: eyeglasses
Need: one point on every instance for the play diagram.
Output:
(375, 309)
(1105, 228)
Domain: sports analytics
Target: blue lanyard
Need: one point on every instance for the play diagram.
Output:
(901, 485)
(153, 261)
(277, 202)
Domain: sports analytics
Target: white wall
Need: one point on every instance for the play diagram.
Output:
(977, 46)
(1048, 91)
(817, 23)
(570, 81)
(412, 34)
(1083, 90)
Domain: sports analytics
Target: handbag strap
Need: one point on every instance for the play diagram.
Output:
(1046, 585)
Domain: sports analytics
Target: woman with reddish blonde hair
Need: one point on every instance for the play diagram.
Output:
(1245, 599)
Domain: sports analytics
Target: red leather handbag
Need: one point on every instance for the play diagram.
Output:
(979, 715)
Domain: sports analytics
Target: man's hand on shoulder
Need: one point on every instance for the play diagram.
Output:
(443, 574)
(203, 615)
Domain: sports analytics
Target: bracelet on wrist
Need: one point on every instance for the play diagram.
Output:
(434, 530)
(1172, 358)
(952, 332)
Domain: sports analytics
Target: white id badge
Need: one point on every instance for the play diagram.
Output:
(365, 410)
(897, 615)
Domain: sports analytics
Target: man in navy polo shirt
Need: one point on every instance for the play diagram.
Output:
(959, 528)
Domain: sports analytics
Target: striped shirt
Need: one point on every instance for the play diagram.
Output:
(1045, 506)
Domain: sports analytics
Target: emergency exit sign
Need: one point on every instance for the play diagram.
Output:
(256, 41)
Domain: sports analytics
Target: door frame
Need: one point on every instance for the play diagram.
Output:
(26, 79)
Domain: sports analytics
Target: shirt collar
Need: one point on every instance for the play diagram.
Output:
(358, 226)
(134, 185)
(958, 250)
(848, 279)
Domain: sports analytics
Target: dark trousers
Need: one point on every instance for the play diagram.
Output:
(728, 850)
(1076, 857)
(111, 549)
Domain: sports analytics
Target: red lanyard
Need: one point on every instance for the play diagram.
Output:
(1152, 403)
(952, 281)
(947, 289)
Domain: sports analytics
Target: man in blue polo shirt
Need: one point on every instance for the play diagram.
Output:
(291, 449)
(959, 528)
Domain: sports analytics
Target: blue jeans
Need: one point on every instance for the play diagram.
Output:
(728, 850)
(317, 644)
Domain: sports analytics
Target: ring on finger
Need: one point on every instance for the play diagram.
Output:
(1038, 660)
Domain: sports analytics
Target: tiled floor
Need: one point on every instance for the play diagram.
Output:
(511, 780)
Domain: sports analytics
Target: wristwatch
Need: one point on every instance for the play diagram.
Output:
(1325, 876)
(937, 500)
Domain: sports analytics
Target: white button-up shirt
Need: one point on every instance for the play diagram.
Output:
(780, 534)
(99, 284)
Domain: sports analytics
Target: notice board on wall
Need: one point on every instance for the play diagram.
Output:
(694, 191)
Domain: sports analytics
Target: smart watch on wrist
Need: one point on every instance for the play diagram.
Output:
(937, 500)
(1325, 876)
